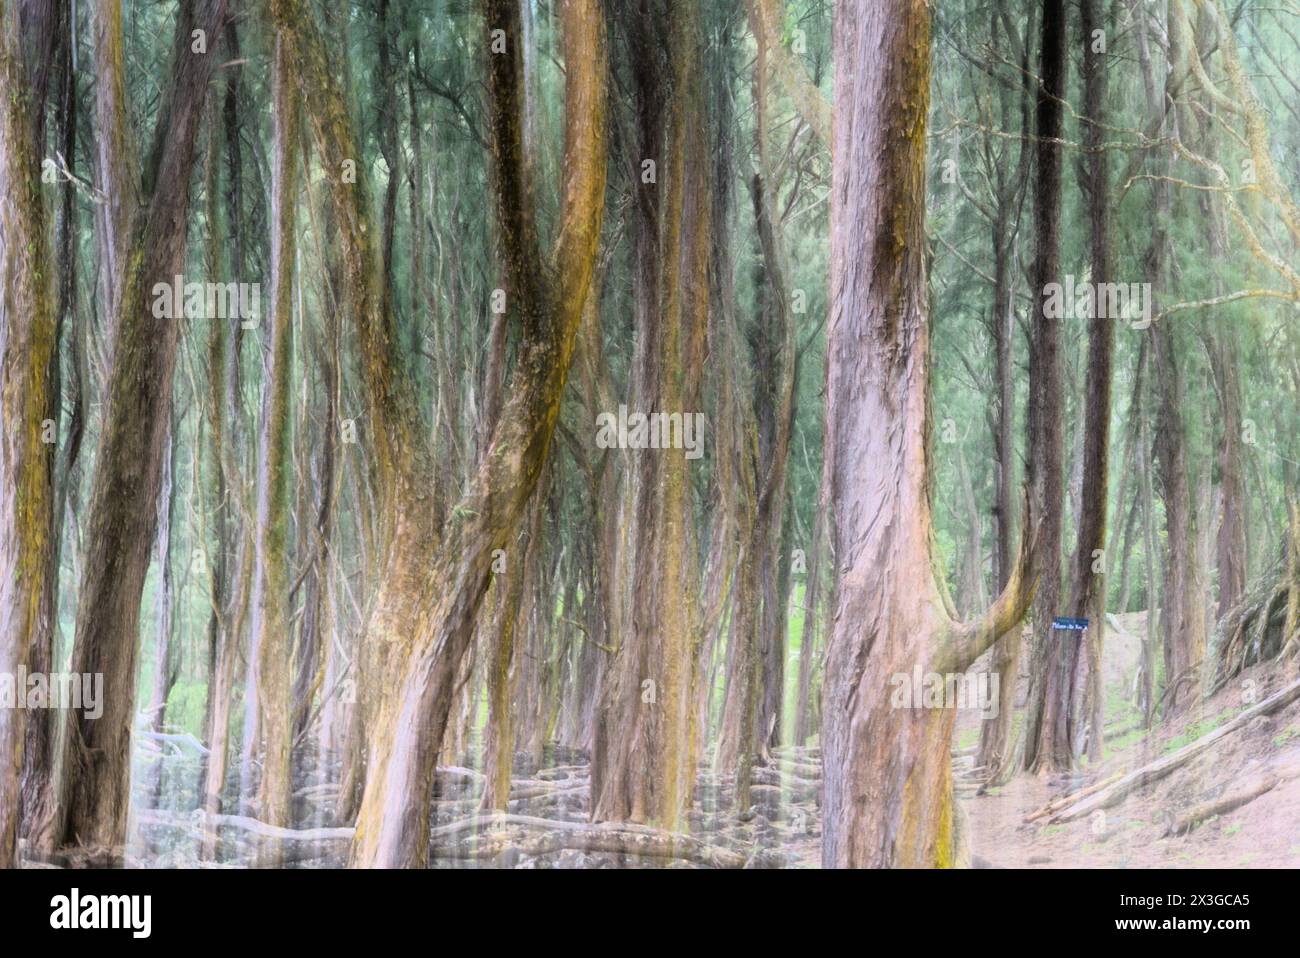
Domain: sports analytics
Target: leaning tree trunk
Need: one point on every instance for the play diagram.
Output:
(94, 790)
(433, 580)
(888, 785)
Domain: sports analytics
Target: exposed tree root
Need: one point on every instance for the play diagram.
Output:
(1263, 624)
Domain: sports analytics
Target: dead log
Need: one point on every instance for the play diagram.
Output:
(1221, 806)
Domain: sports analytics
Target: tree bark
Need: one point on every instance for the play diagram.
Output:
(1047, 721)
(271, 644)
(27, 344)
(643, 766)
(888, 787)
(1088, 587)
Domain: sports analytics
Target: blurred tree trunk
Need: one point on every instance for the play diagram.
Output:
(433, 579)
(507, 622)
(643, 767)
(27, 345)
(995, 752)
(270, 647)
(166, 664)
(94, 789)
(1183, 624)
(1047, 735)
(38, 754)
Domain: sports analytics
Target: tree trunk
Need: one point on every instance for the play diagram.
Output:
(1047, 729)
(888, 787)
(643, 767)
(39, 751)
(27, 344)
(1088, 588)
(1183, 615)
(270, 646)
(95, 787)
(433, 581)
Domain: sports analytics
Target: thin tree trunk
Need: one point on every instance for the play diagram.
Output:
(38, 757)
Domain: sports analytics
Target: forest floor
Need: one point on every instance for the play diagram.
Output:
(547, 824)
(1140, 832)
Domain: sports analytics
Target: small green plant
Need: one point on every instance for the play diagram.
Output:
(1198, 729)
(1286, 735)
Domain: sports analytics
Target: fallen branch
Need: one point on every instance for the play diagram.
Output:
(174, 739)
(1220, 806)
(622, 838)
(1077, 795)
(154, 816)
(1162, 767)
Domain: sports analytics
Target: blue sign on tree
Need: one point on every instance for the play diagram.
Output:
(1064, 624)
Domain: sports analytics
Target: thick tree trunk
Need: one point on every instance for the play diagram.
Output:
(888, 788)
(1088, 585)
(39, 751)
(643, 767)
(1047, 729)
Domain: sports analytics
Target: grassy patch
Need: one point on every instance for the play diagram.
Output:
(1198, 729)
